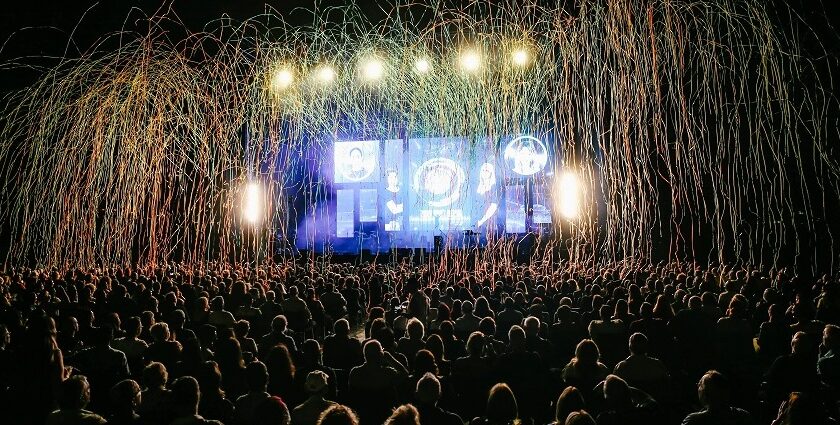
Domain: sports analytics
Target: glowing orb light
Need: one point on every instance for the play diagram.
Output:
(568, 194)
(422, 66)
(325, 74)
(372, 69)
(252, 201)
(520, 57)
(283, 78)
(470, 61)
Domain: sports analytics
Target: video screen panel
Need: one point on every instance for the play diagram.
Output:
(344, 208)
(438, 195)
(515, 205)
(455, 187)
(485, 188)
(542, 203)
(367, 206)
(393, 189)
(356, 162)
(526, 156)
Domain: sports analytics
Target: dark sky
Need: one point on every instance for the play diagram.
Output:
(42, 28)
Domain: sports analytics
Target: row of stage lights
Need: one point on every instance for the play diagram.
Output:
(372, 68)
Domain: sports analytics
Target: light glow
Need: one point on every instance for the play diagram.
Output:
(568, 194)
(283, 78)
(252, 208)
(325, 74)
(470, 61)
(520, 57)
(372, 69)
(422, 66)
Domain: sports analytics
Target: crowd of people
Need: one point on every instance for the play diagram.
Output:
(305, 343)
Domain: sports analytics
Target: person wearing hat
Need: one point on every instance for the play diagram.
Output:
(308, 412)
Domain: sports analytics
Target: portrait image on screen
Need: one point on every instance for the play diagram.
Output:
(525, 155)
(356, 162)
(392, 191)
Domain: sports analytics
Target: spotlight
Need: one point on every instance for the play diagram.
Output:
(470, 61)
(372, 69)
(325, 74)
(568, 194)
(252, 203)
(422, 66)
(283, 78)
(520, 57)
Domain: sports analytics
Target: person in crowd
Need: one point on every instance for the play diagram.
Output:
(279, 327)
(468, 322)
(185, 401)
(272, 411)
(570, 400)
(316, 387)
(214, 403)
(714, 391)
(338, 414)
(73, 399)
(125, 396)
(501, 408)
(342, 351)
(585, 370)
(427, 394)
(373, 385)
(155, 399)
(256, 376)
(132, 346)
(828, 365)
(641, 370)
(404, 415)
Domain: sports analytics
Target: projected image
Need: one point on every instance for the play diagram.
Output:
(542, 210)
(356, 162)
(438, 179)
(439, 182)
(515, 209)
(394, 202)
(367, 206)
(526, 155)
(392, 190)
(486, 197)
(344, 209)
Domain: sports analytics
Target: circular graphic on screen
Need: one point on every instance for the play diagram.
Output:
(526, 155)
(438, 181)
(357, 166)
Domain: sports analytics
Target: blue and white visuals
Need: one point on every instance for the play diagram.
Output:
(406, 192)
(438, 195)
(356, 162)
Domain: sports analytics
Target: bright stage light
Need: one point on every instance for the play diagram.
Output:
(470, 61)
(520, 57)
(568, 194)
(252, 202)
(422, 66)
(325, 74)
(372, 69)
(283, 78)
